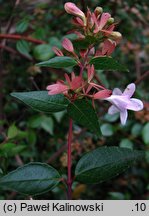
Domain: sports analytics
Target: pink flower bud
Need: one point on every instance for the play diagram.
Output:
(116, 36)
(110, 21)
(102, 94)
(109, 30)
(66, 43)
(57, 88)
(103, 20)
(98, 11)
(99, 25)
(71, 8)
(77, 21)
(108, 47)
(90, 20)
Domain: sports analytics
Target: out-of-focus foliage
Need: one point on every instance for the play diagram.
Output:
(28, 136)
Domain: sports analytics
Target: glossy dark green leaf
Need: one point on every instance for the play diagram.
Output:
(41, 101)
(58, 62)
(84, 114)
(107, 63)
(104, 163)
(31, 179)
(84, 43)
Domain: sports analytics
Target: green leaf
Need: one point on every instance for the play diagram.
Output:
(47, 124)
(1, 172)
(55, 41)
(23, 47)
(43, 122)
(116, 196)
(13, 131)
(107, 63)
(70, 36)
(58, 62)
(147, 156)
(31, 179)
(136, 129)
(31, 137)
(107, 129)
(2, 138)
(41, 101)
(145, 133)
(22, 26)
(35, 121)
(85, 43)
(83, 113)
(59, 115)
(10, 149)
(104, 163)
(6, 148)
(43, 52)
(126, 143)
(111, 118)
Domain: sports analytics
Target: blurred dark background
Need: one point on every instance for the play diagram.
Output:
(26, 135)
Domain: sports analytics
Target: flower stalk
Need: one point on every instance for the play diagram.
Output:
(69, 161)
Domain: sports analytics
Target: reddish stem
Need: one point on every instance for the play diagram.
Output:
(21, 37)
(69, 179)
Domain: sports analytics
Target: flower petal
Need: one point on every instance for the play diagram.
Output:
(76, 83)
(77, 21)
(130, 89)
(135, 104)
(123, 116)
(108, 47)
(119, 101)
(103, 20)
(67, 79)
(56, 88)
(88, 89)
(112, 110)
(116, 91)
(90, 72)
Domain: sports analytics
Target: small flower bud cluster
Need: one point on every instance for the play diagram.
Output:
(97, 24)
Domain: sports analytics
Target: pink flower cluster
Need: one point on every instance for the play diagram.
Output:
(98, 25)
(95, 24)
